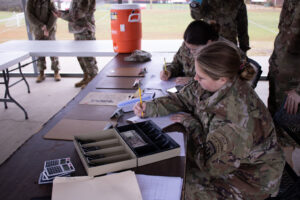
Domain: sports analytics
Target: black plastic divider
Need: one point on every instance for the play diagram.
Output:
(156, 139)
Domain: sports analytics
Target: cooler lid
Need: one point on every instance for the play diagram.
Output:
(125, 6)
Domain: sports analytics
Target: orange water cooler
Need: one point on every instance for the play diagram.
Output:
(126, 27)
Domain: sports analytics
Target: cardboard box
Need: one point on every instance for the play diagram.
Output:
(124, 147)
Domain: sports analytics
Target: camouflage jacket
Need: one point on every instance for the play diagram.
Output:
(231, 135)
(80, 16)
(231, 15)
(183, 63)
(39, 13)
(285, 59)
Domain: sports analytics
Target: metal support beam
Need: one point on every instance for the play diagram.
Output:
(29, 34)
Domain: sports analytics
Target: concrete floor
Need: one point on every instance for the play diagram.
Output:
(44, 101)
(47, 98)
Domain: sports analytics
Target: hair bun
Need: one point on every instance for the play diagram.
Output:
(247, 72)
(214, 25)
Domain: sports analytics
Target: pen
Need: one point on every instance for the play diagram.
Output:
(141, 102)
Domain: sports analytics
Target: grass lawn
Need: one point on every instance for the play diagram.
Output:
(163, 21)
(263, 26)
(4, 15)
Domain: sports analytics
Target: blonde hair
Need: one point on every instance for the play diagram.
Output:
(222, 59)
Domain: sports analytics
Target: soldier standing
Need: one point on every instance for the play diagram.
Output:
(231, 15)
(232, 151)
(82, 24)
(284, 71)
(43, 26)
(284, 75)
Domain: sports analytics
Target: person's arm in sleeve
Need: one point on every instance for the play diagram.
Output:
(222, 151)
(293, 46)
(293, 96)
(35, 23)
(176, 66)
(52, 19)
(242, 28)
(184, 101)
(65, 15)
(80, 12)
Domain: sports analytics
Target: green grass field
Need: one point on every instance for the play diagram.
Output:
(163, 21)
(263, 26)
(4, 15)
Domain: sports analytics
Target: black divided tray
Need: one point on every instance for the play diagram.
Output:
(157, 141)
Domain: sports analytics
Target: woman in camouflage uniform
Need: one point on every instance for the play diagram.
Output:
(232, 152)
(197, 35)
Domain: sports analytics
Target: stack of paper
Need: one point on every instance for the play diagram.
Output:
(179, 139)
(160, 187)
(117, 186)
(105, 98)
(161, 122)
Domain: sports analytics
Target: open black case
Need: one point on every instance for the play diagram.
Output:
(124, 147)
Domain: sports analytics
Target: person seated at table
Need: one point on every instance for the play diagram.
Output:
(232, 150)
(197, 35)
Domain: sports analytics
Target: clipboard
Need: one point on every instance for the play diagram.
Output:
(105, 98)
(129, 83)
(127, 72)
(66, 129)
(91, 113)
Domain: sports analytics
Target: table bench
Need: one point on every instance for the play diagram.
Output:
(19, 174)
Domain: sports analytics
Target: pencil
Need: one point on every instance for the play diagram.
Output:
(165, 65)
(141, 101)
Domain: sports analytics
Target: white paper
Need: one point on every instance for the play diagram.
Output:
(105, 98)
(179, 139)
(159, 187)
(161, 122)
(156, 83)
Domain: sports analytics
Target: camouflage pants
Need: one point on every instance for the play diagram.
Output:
(87, 64)
(198, 187)
(284, 76)
(41, 62)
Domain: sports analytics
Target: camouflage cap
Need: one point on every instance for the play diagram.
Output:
(139, 56)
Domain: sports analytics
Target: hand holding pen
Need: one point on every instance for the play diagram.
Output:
(141, 101)
(139, 107)
(165, 74)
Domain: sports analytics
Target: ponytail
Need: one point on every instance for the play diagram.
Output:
(215, 29)
(247, 72)
(222, 59)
